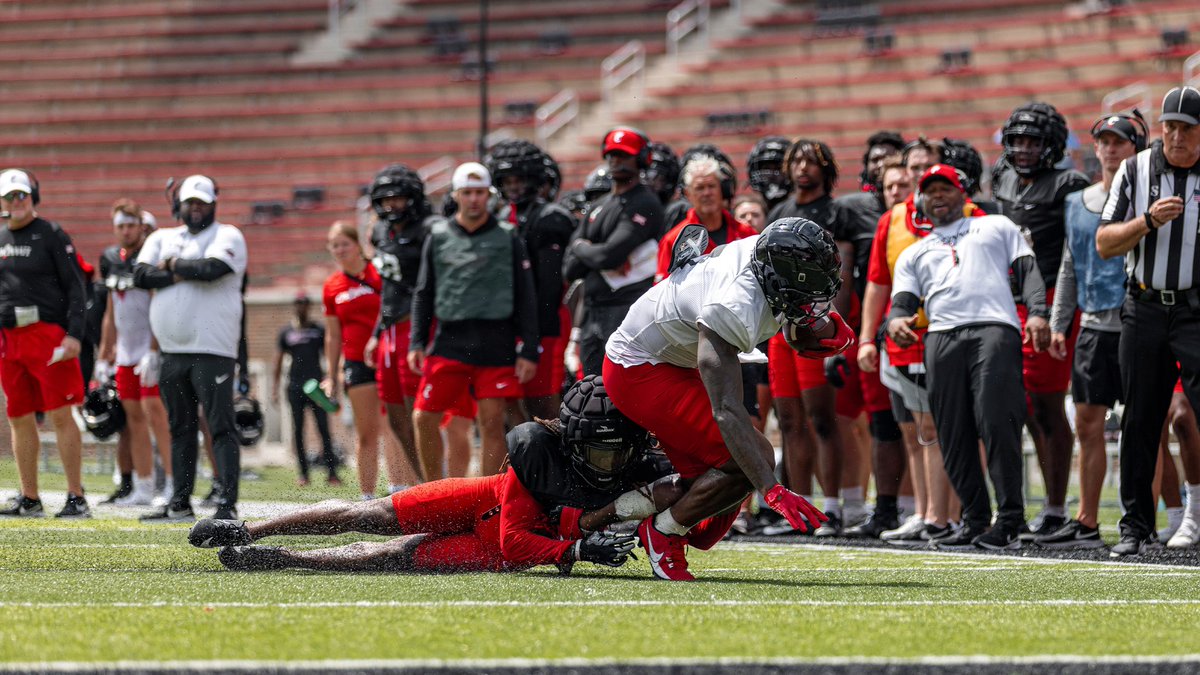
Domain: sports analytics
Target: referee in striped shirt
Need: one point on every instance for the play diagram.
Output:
(1153, 216)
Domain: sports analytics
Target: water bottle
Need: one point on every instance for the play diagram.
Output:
(313, 390)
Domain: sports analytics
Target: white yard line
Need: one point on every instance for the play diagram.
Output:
(669, 602)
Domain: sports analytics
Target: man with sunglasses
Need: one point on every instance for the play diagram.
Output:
(42, 301)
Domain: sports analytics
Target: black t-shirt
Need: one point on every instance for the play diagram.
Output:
(615, 226)
(398, 260)
(546, 229)
(859, 214)
(1039, 207)
(38, 268)
(305, 344)
(536, 454)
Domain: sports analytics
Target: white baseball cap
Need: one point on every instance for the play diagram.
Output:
(15, 180)
(471, 175)
(198, 187)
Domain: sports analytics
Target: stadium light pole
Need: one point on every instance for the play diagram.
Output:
(481, 150)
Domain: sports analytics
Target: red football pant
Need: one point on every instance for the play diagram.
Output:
(461, 520)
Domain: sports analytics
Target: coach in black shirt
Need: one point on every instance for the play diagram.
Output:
(304, 340)
(1152, 215)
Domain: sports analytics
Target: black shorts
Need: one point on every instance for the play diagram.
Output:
(355, 373)
(1095, 375)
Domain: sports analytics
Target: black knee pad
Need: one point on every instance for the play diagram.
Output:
(884, 428)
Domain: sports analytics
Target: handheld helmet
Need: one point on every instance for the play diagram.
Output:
(522, 159)
(797, 264)
(247, 420)
(600, 440)
(964, 157)
(398, 180)
(599, 183)
(765, 166)
(1036, 120)
(663, 174)
(102, 412)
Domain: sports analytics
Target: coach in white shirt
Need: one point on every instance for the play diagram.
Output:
(196, 271)
(973, 349)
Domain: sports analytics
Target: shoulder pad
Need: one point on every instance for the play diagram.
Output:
(535, 455)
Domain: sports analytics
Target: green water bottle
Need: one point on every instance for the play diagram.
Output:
(313, 390)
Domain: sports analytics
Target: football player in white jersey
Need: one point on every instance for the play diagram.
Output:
(673, 367)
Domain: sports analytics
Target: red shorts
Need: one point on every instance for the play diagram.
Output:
(672, 403)
(395, 380)
(1044, 374)
(875, 396)
(29, 384)
(465, 406)
(129, 385)
(445, 382)
(552, 367)
(461, 520)
(791, 375)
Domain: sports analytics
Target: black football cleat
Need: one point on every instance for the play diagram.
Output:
(213, 533)
(254, 558)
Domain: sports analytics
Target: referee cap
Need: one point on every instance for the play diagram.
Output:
(944, 172)
(471, 175)
(1181, 104)
(198, 187)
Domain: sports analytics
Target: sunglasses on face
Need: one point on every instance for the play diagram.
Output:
(15, 197)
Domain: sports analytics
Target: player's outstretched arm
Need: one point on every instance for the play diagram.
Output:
(721, 373)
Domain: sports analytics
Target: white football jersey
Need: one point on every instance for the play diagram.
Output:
(720, 292)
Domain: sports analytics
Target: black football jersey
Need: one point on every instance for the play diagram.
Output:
(398, 260)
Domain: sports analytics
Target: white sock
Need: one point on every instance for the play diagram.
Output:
(833, 506)
(144, 485)
(1193, 497)
(367, 496)
(852, 496)
(665, 523)
(907, 504)
(810, 499)
(1060, 510)
(393, 489)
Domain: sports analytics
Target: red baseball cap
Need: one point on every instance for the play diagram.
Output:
(943, 171)
(625, 140)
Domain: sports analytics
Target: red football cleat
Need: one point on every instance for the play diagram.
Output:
(666, 552)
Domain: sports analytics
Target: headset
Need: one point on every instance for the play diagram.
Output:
(1134, 117)
(643, 156)
(726, 175)
(172, 192)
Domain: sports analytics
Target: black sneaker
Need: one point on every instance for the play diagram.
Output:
(123, 491)
(1072, 535)
(1046, 526)
(76, 507)
(1132, 546)
(212, 533)
(171, 513)
(962, 539)
(999, 538)
(248, 558)
(210, 499)
(875, 525)
(225, 513)
(23, 507)
(831, 527)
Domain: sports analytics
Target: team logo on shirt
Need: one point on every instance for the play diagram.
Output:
(352, 294)
(10, 251)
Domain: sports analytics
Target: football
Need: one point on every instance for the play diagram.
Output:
(806, 337)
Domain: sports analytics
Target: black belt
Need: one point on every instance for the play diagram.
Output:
(1190, 296)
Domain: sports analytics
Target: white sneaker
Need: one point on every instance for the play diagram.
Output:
(141, 495)
(1174, 518)
(1188, 533)
(854, 514)
(911, 526)
(164, 496)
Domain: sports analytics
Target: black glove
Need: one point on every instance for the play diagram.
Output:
(837, 369)
(604, 548)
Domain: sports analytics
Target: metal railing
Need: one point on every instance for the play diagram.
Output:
(622, 65)
(555, 114)
(1136, 95)
(1191, 70)
(437, 173)
(686, 18)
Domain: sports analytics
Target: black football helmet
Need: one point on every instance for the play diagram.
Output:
(521, 158)
(103, 414)
(964, 157)
(662, 176)
(398, 180)
(600, 440)
(599, 183)
(247, 420)
(552, 181)
(798, 265)
(766, 170)
(1037, 120)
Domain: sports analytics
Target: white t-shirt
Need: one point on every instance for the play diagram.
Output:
(198, 317)
(961, 271)
(131, 313)
(720, 292)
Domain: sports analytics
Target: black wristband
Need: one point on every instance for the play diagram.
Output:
(1150, 222)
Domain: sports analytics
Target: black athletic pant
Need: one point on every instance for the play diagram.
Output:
(976, 392)
(1153, 338)
(299, 401)
(598, 324)
(188, 381)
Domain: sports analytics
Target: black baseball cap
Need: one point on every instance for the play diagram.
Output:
(1181, 104)
(1121, 125)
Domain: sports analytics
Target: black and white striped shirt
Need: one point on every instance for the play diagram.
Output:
(1167, 258)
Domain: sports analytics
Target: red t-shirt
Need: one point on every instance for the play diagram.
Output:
(734, 230)
(355, 303)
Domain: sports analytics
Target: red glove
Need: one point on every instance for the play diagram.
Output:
(796, 509)
(842, 340)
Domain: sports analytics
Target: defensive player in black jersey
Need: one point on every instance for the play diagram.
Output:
(566, 481)
(404, 218)
(1032, 193)
(518, 170)
(765, 167)
(42, 302)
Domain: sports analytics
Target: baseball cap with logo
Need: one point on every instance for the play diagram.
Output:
(1181, 104)
(471, 175)
(198, 187)
(1121, 125)
(944, 172)
(15, 180)
(624, 140)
